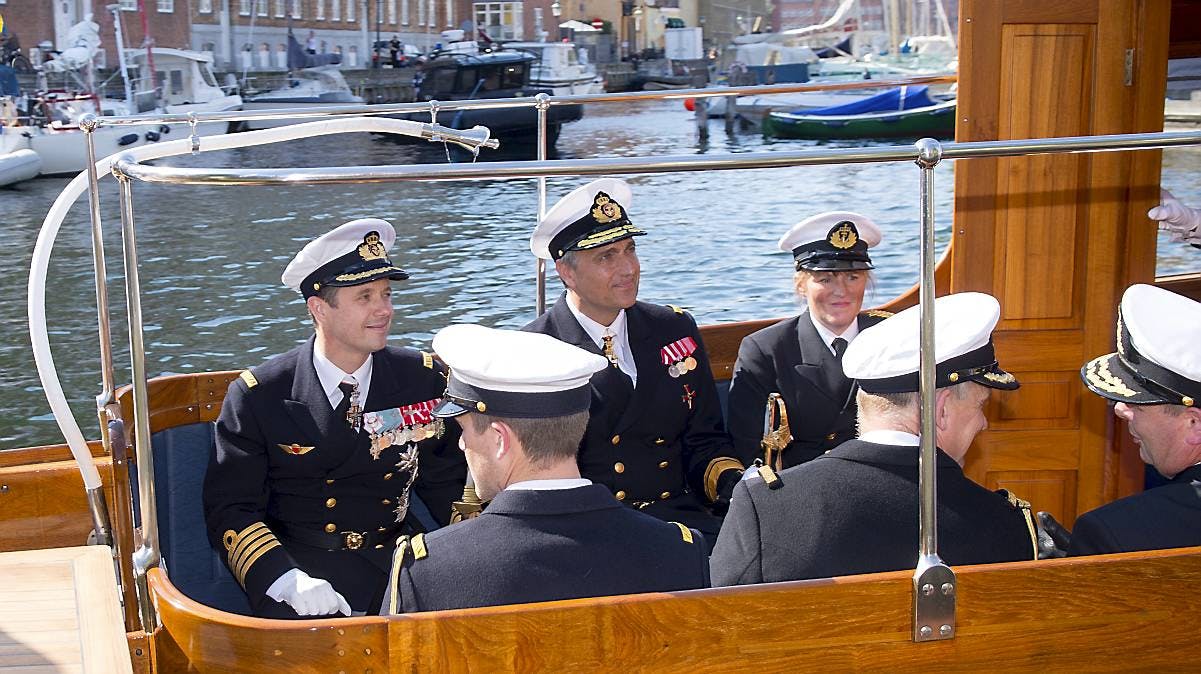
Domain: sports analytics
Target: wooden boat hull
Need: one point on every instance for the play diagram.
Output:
(937, 121)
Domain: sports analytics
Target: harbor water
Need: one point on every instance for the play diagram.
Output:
(211, 257)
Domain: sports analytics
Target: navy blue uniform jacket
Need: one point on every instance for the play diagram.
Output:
(531, 546)
(660, 446)
(790, 358)
(1168, 516)
(855, 510)
(258, 483)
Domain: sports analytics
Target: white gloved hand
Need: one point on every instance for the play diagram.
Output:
(307, 595)
(1183, 222)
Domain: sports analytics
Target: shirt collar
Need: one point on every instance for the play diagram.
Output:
(595, 330)
(822, 331)
(331, 375)
(548, 485)
(891, 437)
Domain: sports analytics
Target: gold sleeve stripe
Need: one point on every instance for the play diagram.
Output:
(398, 560)
(685, 532)
(242, 562)
(1024, 506)
(427, 360)
(254, 557)
(247, 541)
(419, 551)
(713, 473)
(247, 377)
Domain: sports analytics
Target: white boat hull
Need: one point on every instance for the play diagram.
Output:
(18, 166)
(576, 87)
(276, 105)
(65, 152)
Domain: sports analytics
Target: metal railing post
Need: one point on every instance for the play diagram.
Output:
(147, 555)
(543, 107)
(933, 581)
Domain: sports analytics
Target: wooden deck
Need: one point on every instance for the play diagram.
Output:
(59, 612)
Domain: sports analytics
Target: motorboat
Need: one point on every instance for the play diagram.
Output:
(560, 68)
(904, 112)
(304, 88)
(1050, 441)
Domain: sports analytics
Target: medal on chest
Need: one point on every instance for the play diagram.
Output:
(678, 357)
(408, 424)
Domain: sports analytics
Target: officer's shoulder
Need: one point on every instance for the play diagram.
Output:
(665, 312)
(873, 316)
(266, 376)
(417, 359)
(782, 329)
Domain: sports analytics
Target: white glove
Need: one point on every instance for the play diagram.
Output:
(1183, 222)
(307, 595)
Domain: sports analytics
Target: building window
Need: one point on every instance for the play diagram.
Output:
(261, 5)
(129, 5)
(279, 9)
(350, 10)
(335, 10)
(281, 56)
(392, 11)
(166, 6)
(320, 14)
(205, 6)
(295, 9)
(352, 57)
(450, 13)
(404, 12)
(243, 7)
(500, 20)
(421, 12)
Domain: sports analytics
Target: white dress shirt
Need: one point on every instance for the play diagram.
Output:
(331, 375)
(828, 337)
(549, 485)
(621, 337)
(890, 437)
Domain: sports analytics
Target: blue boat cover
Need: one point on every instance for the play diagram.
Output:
(8, 82)
(888, 101)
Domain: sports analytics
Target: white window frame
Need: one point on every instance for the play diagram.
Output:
(450, 13)
(280, 8)
(320, 13)
(421, 12)
(244, 7)
(202, 7)
(165, 6)
(335, 10)
(404, 12)
(392, 12)
(296, 9)
(261, 6)
(483, 11)
(129, 5)
(350, 10)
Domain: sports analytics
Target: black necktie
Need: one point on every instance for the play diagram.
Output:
(840, 347)
(349, 407)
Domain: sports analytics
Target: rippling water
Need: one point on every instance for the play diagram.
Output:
(210, 258)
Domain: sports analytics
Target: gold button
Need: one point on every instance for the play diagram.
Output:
(331, 502)
(662, 464)
(386, 501)
(660, 441)
(331, 527)
(329, 481)
(621, 495)
(830, 436)
(616, 439)
(379, 547)
(665, 495)
(381, 530)
(619, 467)
(387, 476)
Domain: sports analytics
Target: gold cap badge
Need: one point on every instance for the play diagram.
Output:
(372, 248)
(843, 236)
(605, 209)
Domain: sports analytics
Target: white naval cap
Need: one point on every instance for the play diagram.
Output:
(884, 357)
(508, 373)
(832, 241)
(348, 255)
(589, 217)
(1158, 360)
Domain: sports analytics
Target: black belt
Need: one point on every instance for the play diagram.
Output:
(341, 540)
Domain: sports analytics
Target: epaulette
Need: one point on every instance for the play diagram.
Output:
(674, 308)
(769, 476)
(418, 544)
(877, 313)
(427, 359)
(1018, 504)
(685, 532)
(247, 377)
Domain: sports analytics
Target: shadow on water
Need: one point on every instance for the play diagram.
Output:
(211, 257)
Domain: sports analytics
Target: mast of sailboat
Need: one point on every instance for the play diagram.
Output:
(148, 43)
(115, 10)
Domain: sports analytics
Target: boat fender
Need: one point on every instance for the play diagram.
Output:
(152, 136)
(127, 139)
(164, 129)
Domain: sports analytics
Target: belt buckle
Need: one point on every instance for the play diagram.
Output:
(353, 540)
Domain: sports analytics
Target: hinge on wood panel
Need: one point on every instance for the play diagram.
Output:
(933, 600)
(1129, 67)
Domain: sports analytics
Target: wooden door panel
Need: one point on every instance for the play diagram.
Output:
(1051, 490)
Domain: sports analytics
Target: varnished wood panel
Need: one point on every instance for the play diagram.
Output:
(44, 505)
(1046, 400)
(1113, 613)
(1053, 490)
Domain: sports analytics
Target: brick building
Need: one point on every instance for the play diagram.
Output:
(36, 21)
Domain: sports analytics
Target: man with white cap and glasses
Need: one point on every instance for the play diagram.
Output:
(326, 454)
(855, 509)
(521, 400)
(1154, 379)
(656, 437)
(800, 358)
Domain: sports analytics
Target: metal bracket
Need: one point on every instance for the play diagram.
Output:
(195, 138)
(934, 591)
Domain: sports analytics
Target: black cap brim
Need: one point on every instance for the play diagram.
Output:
(835, 265)
(448, 408)
(1109, 377)
(996, 377)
